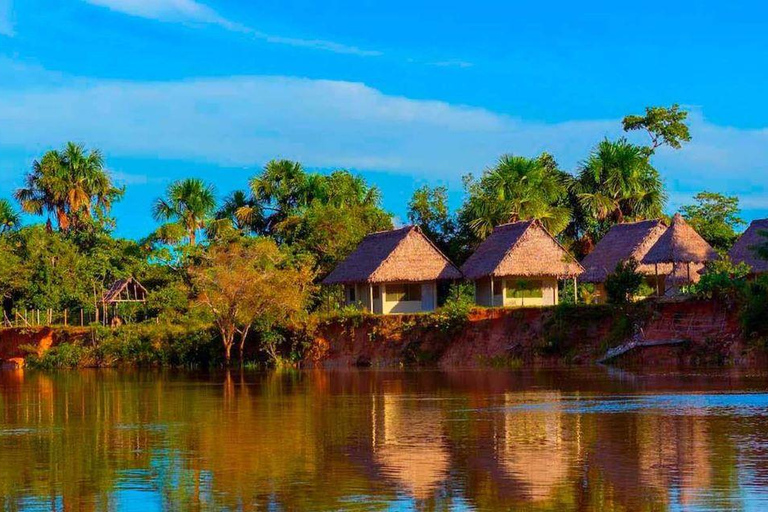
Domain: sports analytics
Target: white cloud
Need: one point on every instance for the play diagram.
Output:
(164, 10)
(190, 11)
(245, 121)
(6, 18)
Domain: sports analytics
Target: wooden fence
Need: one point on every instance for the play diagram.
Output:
(49, 317)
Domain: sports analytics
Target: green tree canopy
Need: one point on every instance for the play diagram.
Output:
(517, 188)
(664, 125)
(70, 185)
(715, 217)
(187, 208)
(616, 183)
(323, 215)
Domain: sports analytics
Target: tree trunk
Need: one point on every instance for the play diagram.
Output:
(243, 336)
(228, 338)
(192, 238)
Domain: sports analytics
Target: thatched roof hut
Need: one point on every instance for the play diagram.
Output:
(745, 248)
(622, 242)
(680, 243)
(523, 249)
(399, 255)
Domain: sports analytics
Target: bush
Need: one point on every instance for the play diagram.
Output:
(145, 344)
(624, 283)
(455, 312)
(754, 308)
(722, 280)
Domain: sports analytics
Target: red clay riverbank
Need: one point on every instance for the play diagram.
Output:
(18, 342)
(543, 336)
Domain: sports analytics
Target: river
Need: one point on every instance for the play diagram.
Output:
(560, 440)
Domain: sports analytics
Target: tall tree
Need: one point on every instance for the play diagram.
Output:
(70, 185)
(617, 182)
(9, 217)
(664, 125)
(716, 217)
(517, 188)
(250, 283)
(323, 215)
(187, 207)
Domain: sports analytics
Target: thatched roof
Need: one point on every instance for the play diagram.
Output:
(745, 248)
(621, 243)
(403, 254)
(680, 244)
(523, 248)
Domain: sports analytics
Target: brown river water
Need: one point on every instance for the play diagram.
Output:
(560, 440)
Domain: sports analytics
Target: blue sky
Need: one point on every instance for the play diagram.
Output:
(405, 93)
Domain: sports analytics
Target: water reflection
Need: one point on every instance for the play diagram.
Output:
(527, 440)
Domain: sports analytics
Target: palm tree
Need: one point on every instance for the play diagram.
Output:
(70, 185)
(9, 218)
(518, 188)
(242, 211)
(618, 182)
(188, 204)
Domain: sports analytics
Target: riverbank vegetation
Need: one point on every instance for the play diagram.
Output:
(242, 270)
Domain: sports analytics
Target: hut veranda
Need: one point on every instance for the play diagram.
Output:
(394, 271)
(519, 264)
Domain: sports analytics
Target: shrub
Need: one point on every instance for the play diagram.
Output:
(723, 280)
(624, 282)
(455, 312)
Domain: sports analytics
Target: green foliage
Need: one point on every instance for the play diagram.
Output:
(187, 208)
(665, 126)
(428, 209)
(715, 217)
(323, 216)
(722, 279)
(9, 217)
(190, 345)
(754, 309)
(454, 314)
(624, 282)
(517, 188)
(72, 186)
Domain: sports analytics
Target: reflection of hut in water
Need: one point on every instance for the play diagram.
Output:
(409, 445)
(122, 291)
(674, 452)
(536, 448)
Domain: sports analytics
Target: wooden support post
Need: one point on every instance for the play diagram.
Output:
(81, 317)
(370, 293)
(689, 272)
(658, 286)
(575, 291)
(493, 295)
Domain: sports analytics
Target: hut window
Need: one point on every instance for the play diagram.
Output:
(498, 287)
(525, 289)
(403, 292)
(351, 294)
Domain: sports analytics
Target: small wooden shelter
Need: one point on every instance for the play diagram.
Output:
(683, 248)
(394, 272)
(625, 241)
(745, 248)
(125, 290)
(519, 264)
